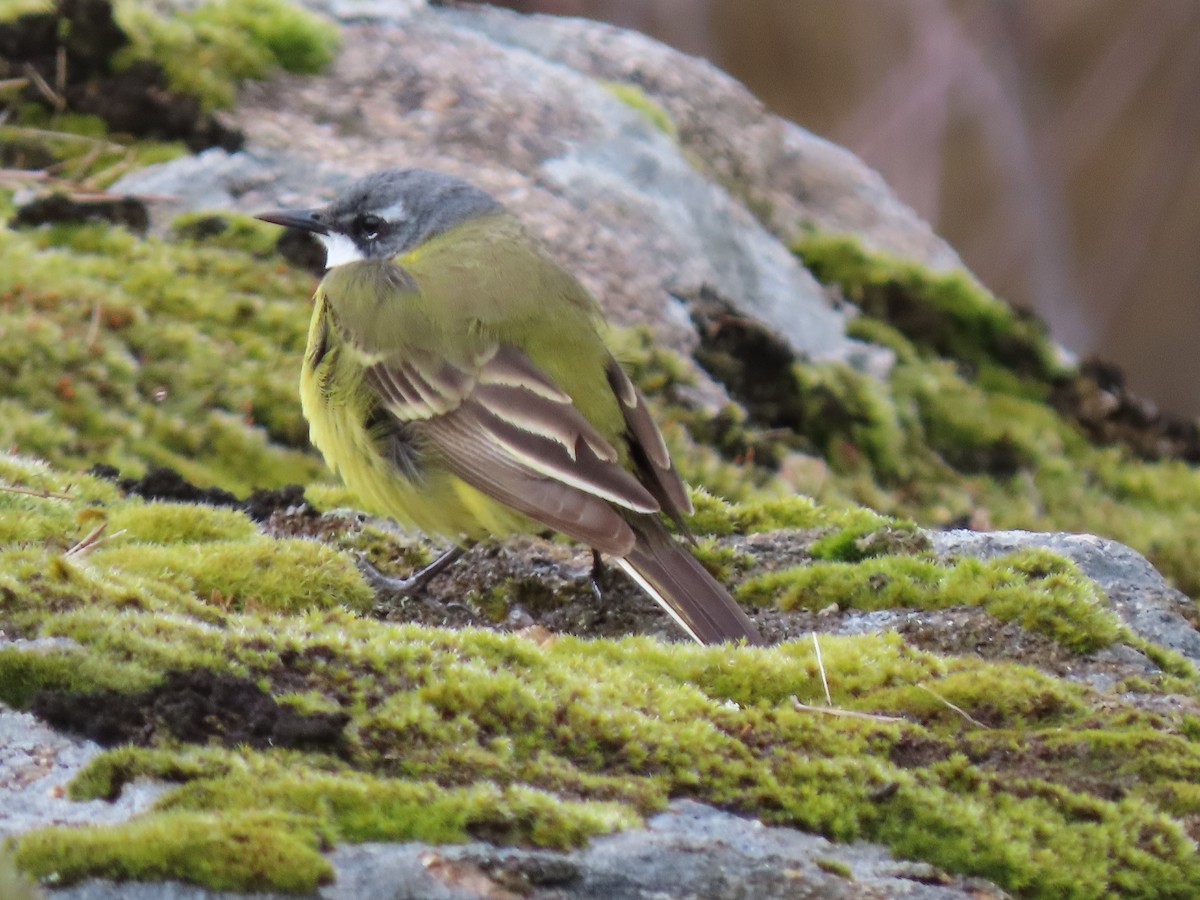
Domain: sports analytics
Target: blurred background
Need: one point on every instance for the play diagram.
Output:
(1054, 143)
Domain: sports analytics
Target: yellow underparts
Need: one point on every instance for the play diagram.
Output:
(335, 403)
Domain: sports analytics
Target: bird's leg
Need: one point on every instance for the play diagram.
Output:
(598, 572)
(414, 585)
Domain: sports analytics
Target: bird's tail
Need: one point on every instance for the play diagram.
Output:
(669, 573)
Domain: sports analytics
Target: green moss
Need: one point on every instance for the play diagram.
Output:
(12, 9)
(1041, 591)
(178, 523)
(224, 851)
(962, 430)
(636, 98)
(956, 789)
(105, 776)
(834, 867)
(208, 50)
(949, 314)
(465, 735)
(228, 231)
(851, 419)
(171, 353)
(25, 672)
(977, 431)
(861, 538)
(290, 574)
(844, 534)
(360, 808)
(460, 735)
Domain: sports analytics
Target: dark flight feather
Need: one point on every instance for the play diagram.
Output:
(669, 573)
(649, 451)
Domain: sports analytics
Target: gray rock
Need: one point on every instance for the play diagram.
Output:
(504, 100)
(692, 850)
(36, 763)
(787, 175)
(1136, 591)
(689, 851)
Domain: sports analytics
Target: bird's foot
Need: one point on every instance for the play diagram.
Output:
(416, 583)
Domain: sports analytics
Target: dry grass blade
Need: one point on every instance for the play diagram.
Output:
(109, 174)
(821, 669)
(958, 709)
(53, 97)
(35, 492)
(27, 131)
(90, 541)
(844, 713)
(20, 177)
(83, 163)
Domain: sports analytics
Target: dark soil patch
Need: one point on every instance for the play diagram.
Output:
(263, 505)
(164, 484)
(1097, 399)
(752, 361)
(529, 581)
(71, 50)
(913, 751)
(302, 250)
(195, 706)
(55, 209)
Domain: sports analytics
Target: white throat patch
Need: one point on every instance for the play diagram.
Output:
(339, 250)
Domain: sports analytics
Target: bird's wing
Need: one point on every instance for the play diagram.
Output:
(648, 449)
(502, 426)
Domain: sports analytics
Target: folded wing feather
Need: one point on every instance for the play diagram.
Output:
(504, 428)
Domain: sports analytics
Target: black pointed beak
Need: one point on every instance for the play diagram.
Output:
(304, 219)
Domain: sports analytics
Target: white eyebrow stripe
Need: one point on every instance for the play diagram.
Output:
(339, 250)
(395, 213)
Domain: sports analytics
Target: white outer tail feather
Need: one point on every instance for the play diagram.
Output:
(658, 598)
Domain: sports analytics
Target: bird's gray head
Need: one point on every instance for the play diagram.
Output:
(388, 213)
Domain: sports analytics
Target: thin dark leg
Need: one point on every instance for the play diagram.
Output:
(414, 585)
(598, 573)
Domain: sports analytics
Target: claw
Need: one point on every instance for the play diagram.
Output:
(416, 583)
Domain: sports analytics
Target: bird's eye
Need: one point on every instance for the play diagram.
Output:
(368, 227)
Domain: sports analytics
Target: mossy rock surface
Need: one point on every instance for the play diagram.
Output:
(209, 653)
(1007, 725)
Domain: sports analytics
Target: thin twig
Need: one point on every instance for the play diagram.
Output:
(28, 131)
(110, 173)
(958, 709)
(18, 83)
(821, 669)
(83, 163)
(844, 713)
(35, 492)
(52, 96)
(60, 71)
(90, 541)
(21, 176)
